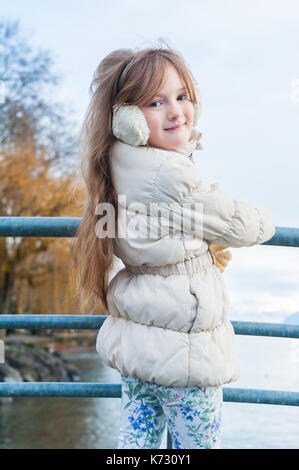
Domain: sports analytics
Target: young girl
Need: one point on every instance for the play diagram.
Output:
(168, 331)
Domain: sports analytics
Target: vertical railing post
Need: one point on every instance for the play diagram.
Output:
(169, 441)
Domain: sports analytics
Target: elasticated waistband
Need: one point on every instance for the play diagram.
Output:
(188, 266)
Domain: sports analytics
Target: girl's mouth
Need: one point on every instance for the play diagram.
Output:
(174, 128)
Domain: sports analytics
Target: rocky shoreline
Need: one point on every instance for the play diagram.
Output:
(29, 362)
(25, 363)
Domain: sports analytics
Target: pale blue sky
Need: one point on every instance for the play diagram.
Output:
(245, 56)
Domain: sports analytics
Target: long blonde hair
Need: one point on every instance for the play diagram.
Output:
(139, 83)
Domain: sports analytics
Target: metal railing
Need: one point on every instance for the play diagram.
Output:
(66, 227)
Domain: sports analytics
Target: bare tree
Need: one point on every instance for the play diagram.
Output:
(36, 137)
(26, 112)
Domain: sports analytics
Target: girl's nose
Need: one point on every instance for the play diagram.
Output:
(174, 110)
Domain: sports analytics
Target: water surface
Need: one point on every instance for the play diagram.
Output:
(92, 423)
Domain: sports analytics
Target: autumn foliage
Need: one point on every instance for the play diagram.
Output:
(36, 273)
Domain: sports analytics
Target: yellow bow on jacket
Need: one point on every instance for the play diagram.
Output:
(221, 257)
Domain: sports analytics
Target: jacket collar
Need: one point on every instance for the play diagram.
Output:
(123, 152)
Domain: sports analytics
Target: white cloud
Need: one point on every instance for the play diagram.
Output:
(263, 283)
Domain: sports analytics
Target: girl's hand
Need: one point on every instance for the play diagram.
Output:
(221, 257)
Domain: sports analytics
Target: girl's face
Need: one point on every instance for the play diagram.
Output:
(170, 114)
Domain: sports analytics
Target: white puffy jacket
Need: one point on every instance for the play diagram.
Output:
(168, 307)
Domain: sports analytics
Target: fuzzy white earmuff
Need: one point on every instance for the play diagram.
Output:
(130, 126)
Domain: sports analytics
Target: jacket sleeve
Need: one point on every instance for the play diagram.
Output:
(217, 217)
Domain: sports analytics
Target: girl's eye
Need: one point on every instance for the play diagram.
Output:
(153, 104)
(159, 102)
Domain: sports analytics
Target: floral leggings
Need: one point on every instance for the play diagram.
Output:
(193, 415)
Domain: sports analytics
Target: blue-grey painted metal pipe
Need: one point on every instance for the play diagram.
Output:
(268, 397)
(86, 322)
(87, 389)
(284, 236)
(265, 329)
(169, 440)
(59, 389)
(67, 227)
(76, 322)
(39, 226)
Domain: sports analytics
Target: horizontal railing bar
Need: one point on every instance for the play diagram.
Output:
(39, 226)
(265, 397)
(284, 236)
(59, 389)
(278, 330)
(56, 322)
(67, 227)
(69, 389)
(93, 322)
